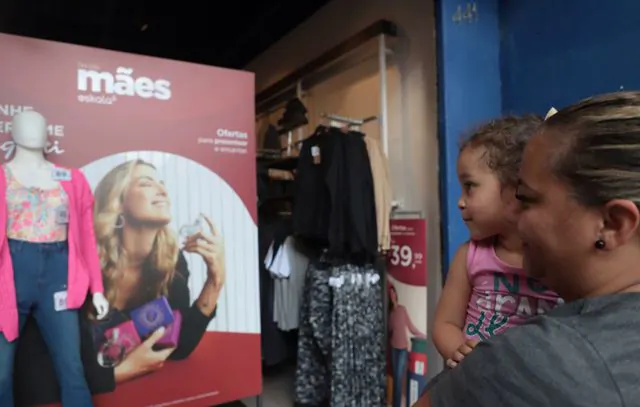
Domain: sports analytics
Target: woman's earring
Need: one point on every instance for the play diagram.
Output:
(119, 222)
(600, 244)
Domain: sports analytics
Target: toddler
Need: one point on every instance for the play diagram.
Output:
(487, 291)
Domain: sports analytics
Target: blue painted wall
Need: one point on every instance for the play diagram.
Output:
(555, 52)
(469, 86)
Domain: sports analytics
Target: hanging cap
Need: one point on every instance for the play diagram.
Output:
(550, 113)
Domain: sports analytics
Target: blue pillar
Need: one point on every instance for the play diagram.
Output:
(469, 93)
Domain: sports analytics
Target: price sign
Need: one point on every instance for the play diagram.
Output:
(407, 260)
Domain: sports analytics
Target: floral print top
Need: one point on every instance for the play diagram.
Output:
(34, 214)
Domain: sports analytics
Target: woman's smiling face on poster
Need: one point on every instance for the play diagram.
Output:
(146, 201)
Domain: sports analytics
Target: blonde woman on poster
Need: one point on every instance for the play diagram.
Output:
(143, 265)
(400, 325)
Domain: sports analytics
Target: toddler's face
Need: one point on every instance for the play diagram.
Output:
(485, 206)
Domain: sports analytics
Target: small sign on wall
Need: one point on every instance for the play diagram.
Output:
(466, 13)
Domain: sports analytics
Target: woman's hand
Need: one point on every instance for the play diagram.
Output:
(461, 353)
(143, 359)
(211, 247)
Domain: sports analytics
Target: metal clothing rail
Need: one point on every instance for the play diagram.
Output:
(335, 121)
(348, 120)
(340, 121)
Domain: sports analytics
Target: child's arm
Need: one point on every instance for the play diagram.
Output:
(451, 312)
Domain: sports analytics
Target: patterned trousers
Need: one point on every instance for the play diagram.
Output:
(341, 352)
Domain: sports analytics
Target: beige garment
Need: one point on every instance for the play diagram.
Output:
(382, 191)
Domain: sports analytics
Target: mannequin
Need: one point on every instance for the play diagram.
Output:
(48, 258)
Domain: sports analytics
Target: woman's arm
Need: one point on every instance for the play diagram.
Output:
(451, 312)
(544, 363)
(196, 316)
(208, 299)
(412, 328)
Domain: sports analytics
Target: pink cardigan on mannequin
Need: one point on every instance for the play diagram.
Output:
(84, 264)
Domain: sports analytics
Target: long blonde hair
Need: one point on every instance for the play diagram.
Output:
(159, 267)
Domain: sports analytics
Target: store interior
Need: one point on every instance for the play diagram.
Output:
(411, 76)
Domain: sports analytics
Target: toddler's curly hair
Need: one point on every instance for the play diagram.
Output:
(504, 140)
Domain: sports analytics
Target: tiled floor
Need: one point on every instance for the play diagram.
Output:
(277, 390)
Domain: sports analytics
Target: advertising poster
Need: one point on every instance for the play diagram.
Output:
(407, 291)
(168, 149)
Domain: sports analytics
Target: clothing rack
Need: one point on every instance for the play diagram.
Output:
(335, 121)
(269, 153)
(277, 153)
(274, 95)
(289, 133)
(342, 121)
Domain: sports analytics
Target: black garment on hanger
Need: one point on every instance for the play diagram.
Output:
(263, 182)
(295, 115)
(271, 139)
(334, 203)
(312, 208)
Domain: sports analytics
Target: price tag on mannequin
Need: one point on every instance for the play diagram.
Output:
(60, 301)
(62, 215)
(61, 174)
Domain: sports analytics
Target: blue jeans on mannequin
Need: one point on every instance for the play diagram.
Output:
(399, 359)
(40, 271)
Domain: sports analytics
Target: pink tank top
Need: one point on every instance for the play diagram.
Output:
(502, 296)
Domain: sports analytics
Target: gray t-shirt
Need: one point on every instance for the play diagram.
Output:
(582, 354)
